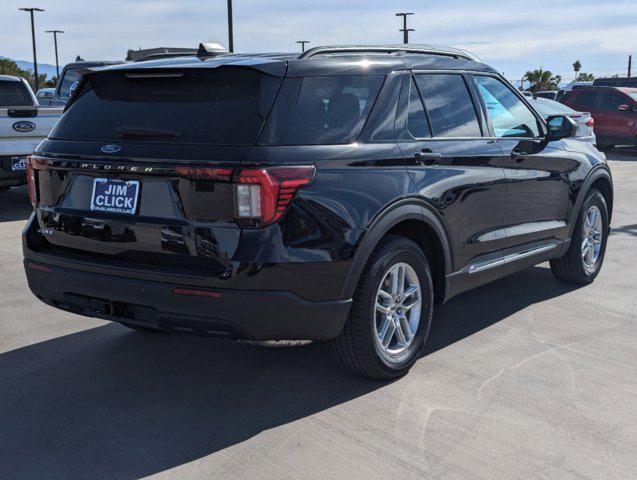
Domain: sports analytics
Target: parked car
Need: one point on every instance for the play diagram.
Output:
(630, 82)
(550, 94)
(69, 78)
(571, 86)
(23, 124)
(45, 94)
(584, 120)
(614, 110)
(334, 195)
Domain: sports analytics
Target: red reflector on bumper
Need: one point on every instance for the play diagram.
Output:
(39, 268)
(197, 293)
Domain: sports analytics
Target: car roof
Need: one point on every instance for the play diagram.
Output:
(340, 60)
(9, 78)
(606, 87)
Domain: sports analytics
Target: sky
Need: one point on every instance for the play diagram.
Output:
(512, 36)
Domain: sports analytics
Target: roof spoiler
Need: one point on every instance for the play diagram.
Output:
(210, 50)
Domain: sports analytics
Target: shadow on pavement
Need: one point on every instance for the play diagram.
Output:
(624, 154)
(15, 204)
(112, 403)
(625, 229)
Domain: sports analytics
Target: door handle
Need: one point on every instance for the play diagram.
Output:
(518, 155)
(427, 158)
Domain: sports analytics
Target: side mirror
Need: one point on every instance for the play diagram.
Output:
(560, 126)
(624, 108)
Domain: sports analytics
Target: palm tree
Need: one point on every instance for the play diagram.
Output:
(542, 80)
(577, 66)
(585, 77)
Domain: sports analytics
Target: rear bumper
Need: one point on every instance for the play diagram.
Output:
(236, 314)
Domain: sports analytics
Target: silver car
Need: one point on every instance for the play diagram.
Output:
(585, 122)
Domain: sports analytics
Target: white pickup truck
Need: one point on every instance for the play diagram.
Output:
(23, 125)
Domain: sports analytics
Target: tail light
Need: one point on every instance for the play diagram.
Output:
(590, 122)
(222, 174)
(33, 196)
(262, 195)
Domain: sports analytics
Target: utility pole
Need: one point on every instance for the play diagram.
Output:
(405, 30)
(55, 41)
(630, 64)
(35, 58)
(302, 42)
(230, 36)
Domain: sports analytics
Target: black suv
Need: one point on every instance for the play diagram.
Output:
(337, 195)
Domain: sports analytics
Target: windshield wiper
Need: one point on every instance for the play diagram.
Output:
(137, 132)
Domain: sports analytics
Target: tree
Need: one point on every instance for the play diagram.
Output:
(585, 77)
(78, 58)
(577, 66)
(542, 80)
(9, 67)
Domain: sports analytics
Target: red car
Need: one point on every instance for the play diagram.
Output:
(614, 111)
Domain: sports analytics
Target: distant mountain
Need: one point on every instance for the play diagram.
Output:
(42, 67)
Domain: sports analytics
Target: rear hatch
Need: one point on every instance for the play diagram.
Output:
(138, 171)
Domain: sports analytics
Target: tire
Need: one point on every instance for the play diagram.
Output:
(572, 266)
(359, 347)
(141, 328)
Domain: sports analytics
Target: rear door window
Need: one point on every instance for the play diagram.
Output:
(416, 119)
(449, 105)
(329, 110)
(14, 94)
(509, 115)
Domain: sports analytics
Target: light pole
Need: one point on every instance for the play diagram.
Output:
(35, 59)
(55, 41)
(230, 36)
(302, 42)
(405, 30)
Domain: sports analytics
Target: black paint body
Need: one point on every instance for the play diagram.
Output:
(471, 200)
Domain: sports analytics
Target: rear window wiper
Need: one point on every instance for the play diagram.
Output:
(132, 132)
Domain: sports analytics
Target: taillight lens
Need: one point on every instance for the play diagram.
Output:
(221, 174)
(262, 195)
(33, 196)
(590, 122)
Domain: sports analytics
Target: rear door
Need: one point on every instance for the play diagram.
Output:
(588, 101)
(454, 167)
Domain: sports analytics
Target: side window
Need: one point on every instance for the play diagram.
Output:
(416, 120)
(586, 100)
(331, 110)
(509, 115)
(612, 100)
(449, 105)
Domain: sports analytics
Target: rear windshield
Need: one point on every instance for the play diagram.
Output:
(14, 94)
(321, 110)
(224, 107)
(68, 79)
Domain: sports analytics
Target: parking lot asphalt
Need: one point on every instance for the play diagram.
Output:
(523, 378)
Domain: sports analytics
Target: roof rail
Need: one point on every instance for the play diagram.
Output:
(392, 49)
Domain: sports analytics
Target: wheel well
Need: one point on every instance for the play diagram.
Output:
(603, 185)
(426, 237)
